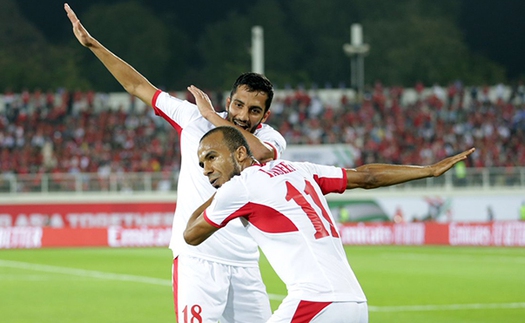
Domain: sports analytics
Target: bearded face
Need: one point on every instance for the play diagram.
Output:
(246, 109)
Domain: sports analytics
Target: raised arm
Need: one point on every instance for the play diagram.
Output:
(260, 150)
(378, 175)
(197, 229)
(132, 81)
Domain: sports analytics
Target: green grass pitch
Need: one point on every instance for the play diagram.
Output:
(403, 284)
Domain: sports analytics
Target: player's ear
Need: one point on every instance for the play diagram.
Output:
(241, 154)
(266, 115)
(228, 101)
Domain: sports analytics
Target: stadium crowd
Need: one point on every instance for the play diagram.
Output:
(70, 132)
(440, 121)
(63, 132)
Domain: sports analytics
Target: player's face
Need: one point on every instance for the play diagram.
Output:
(246, 109)
(216, 160)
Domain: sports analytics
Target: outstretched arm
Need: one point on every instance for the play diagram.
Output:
(197, 230)
(260, 150)
(378, 175)
(132, 81)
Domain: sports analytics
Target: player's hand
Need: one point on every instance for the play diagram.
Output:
(203, 101)
(80, 32)
(441, 167)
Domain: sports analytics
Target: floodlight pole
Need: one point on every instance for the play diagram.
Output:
(257, 49)
(356, 50)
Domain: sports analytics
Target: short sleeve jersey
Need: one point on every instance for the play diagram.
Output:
(283, 207)
(233, 246)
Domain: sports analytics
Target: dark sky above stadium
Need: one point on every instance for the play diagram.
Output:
(494, 28)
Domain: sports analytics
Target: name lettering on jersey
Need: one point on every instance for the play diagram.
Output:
(279, 169)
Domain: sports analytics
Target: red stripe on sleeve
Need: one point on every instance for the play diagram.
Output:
(331, 184)
(210, 222)
(275, 152)
(154, 100)
(160, 113)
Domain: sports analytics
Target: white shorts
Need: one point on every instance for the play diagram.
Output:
(297, 311)
(207, 292)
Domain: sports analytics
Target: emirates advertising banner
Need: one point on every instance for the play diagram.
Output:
(85, 224)
(427, 220)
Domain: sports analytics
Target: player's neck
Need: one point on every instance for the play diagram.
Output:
(254, 161)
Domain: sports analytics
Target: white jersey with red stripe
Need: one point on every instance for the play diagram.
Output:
(233, 246)
(283, 208)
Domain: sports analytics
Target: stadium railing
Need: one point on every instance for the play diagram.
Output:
(79, 183)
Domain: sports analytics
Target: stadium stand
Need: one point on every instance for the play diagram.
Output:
(62, 132)
(436, 122)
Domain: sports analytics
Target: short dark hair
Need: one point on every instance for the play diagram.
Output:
(255, 82)
(233, 138)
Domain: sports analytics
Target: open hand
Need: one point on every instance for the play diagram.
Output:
(442, 166)
(80, 32)
(203, 101)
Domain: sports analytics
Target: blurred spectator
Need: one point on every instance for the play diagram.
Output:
(437, 123)
(75, 132)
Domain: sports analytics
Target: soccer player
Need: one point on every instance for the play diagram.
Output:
(220, 279)
(282, 206)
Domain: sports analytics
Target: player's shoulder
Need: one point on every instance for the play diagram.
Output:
(267, 132)
(265, 127)
(250, 175)
(277, 167)
(237, 186)
(165, 100)
(169, 97)
(304, 168)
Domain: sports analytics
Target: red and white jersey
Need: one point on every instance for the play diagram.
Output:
(283, 208)
(234, 245)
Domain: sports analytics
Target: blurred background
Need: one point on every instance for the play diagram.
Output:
(83, 164)
(432, 78)
(207, 42)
